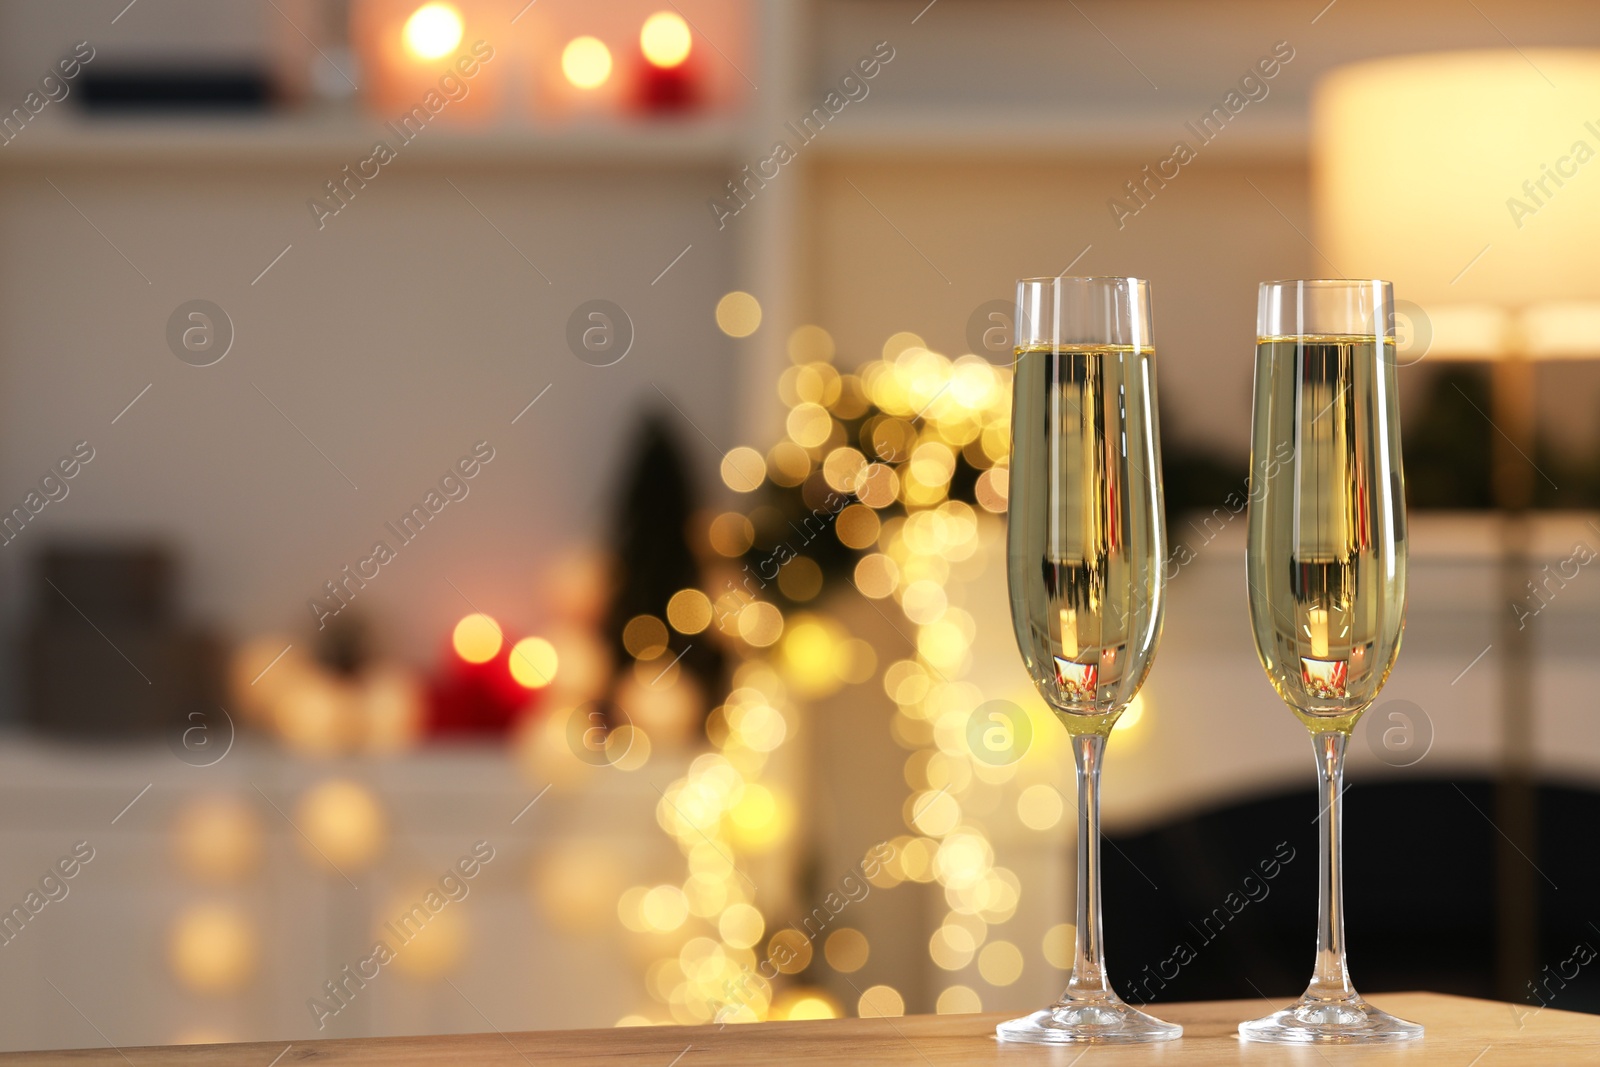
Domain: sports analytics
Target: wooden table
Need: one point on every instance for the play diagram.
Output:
(1461, 1033)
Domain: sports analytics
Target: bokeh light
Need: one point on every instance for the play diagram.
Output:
(788, 463)
(534, 662)
(741, 925)
(437, 946)
(809, 425)
(905, 435)
(645, 637)
(1040, 806)
(806, 1004)
(218, 840)
(341, 823)
(846, 950)
(811, 344)
(1060, 943)
(1129, 719)
(880, 1002)
(689, 611)
(576, 883)
(952, 947)
(738, 314)
(761, 819)
(433, 31)
(1000, 963)
(664, 908)
(959, 1000)
(800, 579)
(790, 951)
(477, 638)
(876, 575)
(743, 469)
(212, 948)
(731, 534)
(760, 624)
(857, 526)
(665, 39)
(586, 62)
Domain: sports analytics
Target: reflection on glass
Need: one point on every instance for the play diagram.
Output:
(1085, 545)
(1326, 568)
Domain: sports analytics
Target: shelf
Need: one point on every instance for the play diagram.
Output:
(282, 141)
(992, 134)
(1000, 134)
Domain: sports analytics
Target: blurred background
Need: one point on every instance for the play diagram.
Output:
(504, 505)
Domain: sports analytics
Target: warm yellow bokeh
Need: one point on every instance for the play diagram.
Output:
(806, 1004)
(811, 344)
(1000, 963)
(645, 637)
(576, 884)
(880, 1002)
(846, 950)
(341, 822)
(665, 39)
(534, 662)
(741, 925)
(731, 534)
(958, 1000)
(743, 469)
(689, 611)
(433, 31)
(477, 638)
(218, 840)
(586, 62)
(1040, 806)
(1131, 716)
(212, 948)
(760, 624)
(738, 314)
(1060, 943)
(434, 942)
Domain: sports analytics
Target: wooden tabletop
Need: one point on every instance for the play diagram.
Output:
(1461, 1033)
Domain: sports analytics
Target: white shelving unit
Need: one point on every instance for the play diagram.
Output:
(296, 140)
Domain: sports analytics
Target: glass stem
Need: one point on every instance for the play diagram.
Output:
(1331, 980)
(1089, 966)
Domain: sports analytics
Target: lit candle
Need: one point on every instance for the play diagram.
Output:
(666, 82)
(1317, 627)
(1069, 633)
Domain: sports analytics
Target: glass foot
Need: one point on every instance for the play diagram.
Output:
(1347, 1021)
(1101, 1019)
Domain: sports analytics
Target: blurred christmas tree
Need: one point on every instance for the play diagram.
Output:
(652, 519)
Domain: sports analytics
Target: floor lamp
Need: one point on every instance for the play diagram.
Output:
(1472, 181)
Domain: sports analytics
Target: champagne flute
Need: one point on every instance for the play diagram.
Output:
(1086, 540)
(1327, 574)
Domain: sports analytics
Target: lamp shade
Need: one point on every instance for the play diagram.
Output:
(1469, 179)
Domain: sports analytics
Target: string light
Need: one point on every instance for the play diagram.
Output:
(901, 462)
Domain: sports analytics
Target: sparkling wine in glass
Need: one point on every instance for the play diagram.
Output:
(1085, 543)
(1327, 575)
